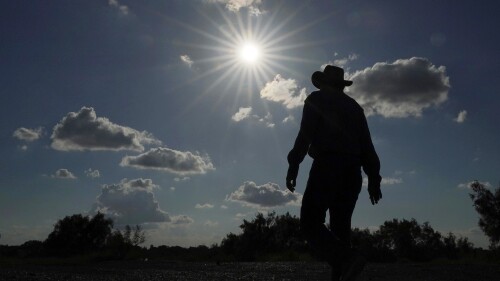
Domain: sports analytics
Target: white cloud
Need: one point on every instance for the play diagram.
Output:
(187, 60)
(172, 188)
(241, 215)
(92, 173)
(204, 206)
(289, 118)
(253, 6)
(178, 179)
(169, 160)
(210, 223)
(63, 174)
(468, 185)
(385, 181)
(83, 130)
(122, 8)
(341, 62)
(391, 181)
(182, 220)
(400, 89)
(131, 202)
(224, 207)
(284, 91)
(267, 120)
(28, 135)
(263, 196)
(462, 115)
(243, 113)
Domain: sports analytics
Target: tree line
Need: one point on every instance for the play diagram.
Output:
(267, 238)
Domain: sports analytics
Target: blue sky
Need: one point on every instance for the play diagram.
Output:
(150, 112)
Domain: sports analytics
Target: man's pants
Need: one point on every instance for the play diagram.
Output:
(334, 187)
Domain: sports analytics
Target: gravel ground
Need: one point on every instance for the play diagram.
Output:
(246, 271)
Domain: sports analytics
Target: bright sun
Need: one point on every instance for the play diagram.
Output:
(249, 53)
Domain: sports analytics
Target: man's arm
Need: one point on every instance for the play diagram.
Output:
(310, 118)
(370, 163)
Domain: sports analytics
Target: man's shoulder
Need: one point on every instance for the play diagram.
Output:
(313, 97)
(354, 103)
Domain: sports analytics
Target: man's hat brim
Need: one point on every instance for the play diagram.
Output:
(319, 78)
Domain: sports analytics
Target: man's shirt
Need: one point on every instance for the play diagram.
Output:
(334, 127)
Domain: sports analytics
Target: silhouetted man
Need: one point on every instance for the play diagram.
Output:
(334, 132)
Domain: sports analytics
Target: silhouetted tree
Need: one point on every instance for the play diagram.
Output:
(408, 239)
(78, 234)
(264, 235)
(372, 245)
(120, 243)
(487, 204)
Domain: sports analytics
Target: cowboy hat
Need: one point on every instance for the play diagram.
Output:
(331, 75)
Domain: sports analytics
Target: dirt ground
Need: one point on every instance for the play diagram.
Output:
(246, 271)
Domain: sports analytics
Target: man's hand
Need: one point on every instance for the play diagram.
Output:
(291, 177)
(374, 191)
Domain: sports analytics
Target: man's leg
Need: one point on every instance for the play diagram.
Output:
(315, 203)
(341, 208)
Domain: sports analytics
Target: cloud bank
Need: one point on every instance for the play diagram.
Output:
(400, 89)
(83, 130)
(130, 202)
(169, 160)
(263, 196)
(284, 91)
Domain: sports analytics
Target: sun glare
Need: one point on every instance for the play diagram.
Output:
(249, 53)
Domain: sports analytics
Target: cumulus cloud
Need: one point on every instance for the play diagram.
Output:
(462, 115)
(253, 6)
(122, 8)
(263, 196)
(131, 202)
(468, 185)
(92, 173)
(28, 135)
(284, 91)
(243, 113)
(63, 174)
(400, 89)
(204, 206)
(169, 160)
(83, 130)
(187, 60)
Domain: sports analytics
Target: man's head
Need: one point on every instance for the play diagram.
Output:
(331, 76)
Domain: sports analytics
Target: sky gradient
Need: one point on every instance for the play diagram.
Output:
(153, 113)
